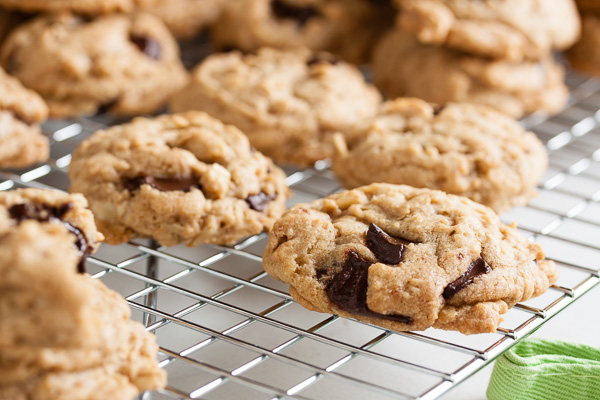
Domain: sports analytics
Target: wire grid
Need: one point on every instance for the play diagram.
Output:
(228, 330)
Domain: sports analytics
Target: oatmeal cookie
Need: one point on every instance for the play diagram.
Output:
(178, 178)
(513, 30)
(21, 112)
(404, 67)
(64, 335)
(406, 259)
(125, 64)
(464, 149)
(184, 18)
(344, 27)
(289, 103)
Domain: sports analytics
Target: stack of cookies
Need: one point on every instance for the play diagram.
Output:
(497, 53)
(585, 55)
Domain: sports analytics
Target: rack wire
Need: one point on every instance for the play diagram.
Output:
(228, 330)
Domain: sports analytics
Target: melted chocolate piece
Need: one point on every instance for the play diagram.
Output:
(147, 45)
(283, 10)
(477, 267)
(348, 289)
(260, 201)
(44, 213)
(323, 58)
(107, 107)
(162, 184)
(386, 248)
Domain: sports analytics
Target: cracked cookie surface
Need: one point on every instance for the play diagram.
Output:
(405, 259)
(123, 64)
(62, 333)
(510, 29)
(464, 149)
(289, 103)
(344, 27)
(181, 178)
(404, 67)
(21, 112)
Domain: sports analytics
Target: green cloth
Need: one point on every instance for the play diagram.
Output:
(538, 369)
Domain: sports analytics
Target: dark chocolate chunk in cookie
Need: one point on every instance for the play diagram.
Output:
(477, 267)
(348, 289)
(147, 45)
(162, 184)
(283, 10)
(259, 201)
(386, 248)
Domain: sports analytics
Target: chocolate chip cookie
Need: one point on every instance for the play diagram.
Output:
(404, 67)
(184, 18)
(124, 64)
(88, 7)
(510, 29)
(464, 149)
(344, 27)
(405, 259)
(585, 55)
(178, 178)
(21, 112)
(289, 103)
(70, 212)
(63, 335)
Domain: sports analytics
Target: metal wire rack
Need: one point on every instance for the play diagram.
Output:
(227, 330)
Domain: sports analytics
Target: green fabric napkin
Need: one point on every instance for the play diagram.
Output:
(538, 369)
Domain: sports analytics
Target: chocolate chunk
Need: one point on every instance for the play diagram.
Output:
(147, 45)
(107, 106)
(162, 184)
(477, 267)
(348, 289)
(259, 201)
(283, 10)
(323, 57)
(44, 213)
(386, 248)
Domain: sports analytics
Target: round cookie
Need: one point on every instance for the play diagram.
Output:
(184, 18)
(68, 211)
(88, 7)
(405, 259)
(125, 64)
(21, 112)
(585, 55)
(177, 178)
(289, 103)
(510, 29)
(344, 27)
(62, 334)
(404, 67)
(464, 149)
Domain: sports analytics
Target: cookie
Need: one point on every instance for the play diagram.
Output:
(464, 149)
(289, 103)
(88, 7)
(177, 178)
(344, 27)
(405, 259)
(64, 335)
(585, 55)
(21, 112)
(184, 18)
(124, 64)
(404, 67)
(70, 212)
(513, 30)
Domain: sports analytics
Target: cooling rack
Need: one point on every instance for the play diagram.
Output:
(229, 331)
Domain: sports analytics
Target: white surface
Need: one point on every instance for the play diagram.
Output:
(580, 323)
